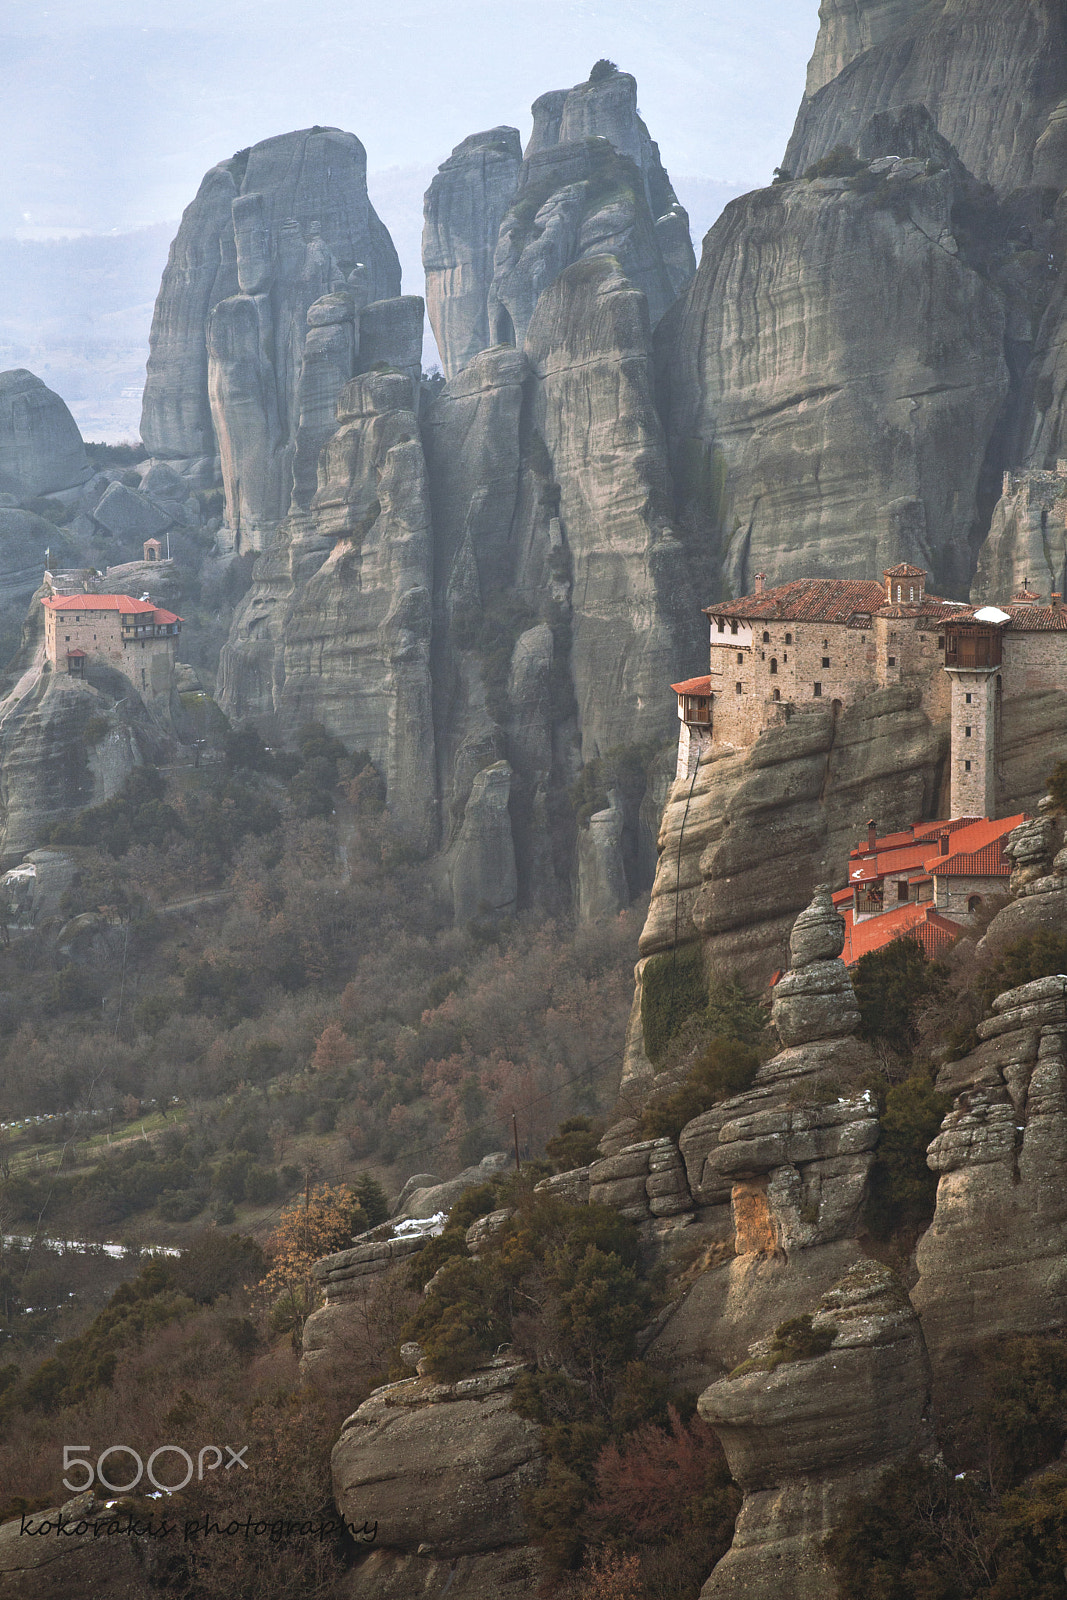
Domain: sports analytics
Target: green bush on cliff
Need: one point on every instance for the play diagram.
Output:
(891, 984)
(725, 1068)
(673, 987)
(903, 1190)
(840, 162)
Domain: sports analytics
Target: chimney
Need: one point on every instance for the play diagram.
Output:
(942, 844)
(760, 579)
(872, 835)
(1057, 601)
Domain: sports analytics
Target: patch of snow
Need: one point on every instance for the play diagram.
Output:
(420, 1227)
(991, 614)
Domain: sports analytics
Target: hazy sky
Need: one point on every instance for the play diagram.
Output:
(113, 109)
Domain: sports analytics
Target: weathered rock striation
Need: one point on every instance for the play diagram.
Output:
(499, 229)
(991, 1262)
(833, 376)
(991, 75)
(271, 232)
(465, 205)
(805, 1437)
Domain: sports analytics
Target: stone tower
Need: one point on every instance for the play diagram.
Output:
(973, 655)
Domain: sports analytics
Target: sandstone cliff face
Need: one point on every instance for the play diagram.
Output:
(499, 231)
(991, 1263)
(270, 232)
(834, 374)
(991, 75)
(465, 205)
(743, 841)
(849, 27)
(49, 768)
(487, 616)
(336, 626)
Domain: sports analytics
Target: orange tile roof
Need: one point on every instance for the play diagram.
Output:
(977, 850)
(123, 603)
(805, 600)
(693, 686)
(904, 571)
(902, 859)
(934, 932)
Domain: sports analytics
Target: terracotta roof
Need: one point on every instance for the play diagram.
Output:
(72, 653)
(904, 571)
(927, 830)
(693, 686)
(985, 863)
(934, 932)
(1036, 619)
(123, 603)
(870, 868)
(805, 600)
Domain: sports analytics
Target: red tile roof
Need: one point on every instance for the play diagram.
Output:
(975, 852)
(693, 686)
(805, 600)
(934, 932)
(123, 603)
(904, 571)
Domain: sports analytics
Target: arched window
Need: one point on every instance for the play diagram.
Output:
(974, 902)
(789, 638)
(774, 667)
(766, 637)
(776, 694)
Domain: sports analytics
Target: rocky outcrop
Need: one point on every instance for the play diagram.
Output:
(41, 449)
(827, 417)
(848, 28)
(440, 1467)
(991, 1262)
(484, 880)
(65, 744)
(589, 348)
(805, 1434)
(270, 233)
(499, 232)
(991, 75)
(465, 205)
(336, 626)
(777, 817)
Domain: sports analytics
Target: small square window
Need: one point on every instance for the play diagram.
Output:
(966, 733)
(966, 766)
(722, 627)
(941, 641)
(892, 661)
(968, 699)
(733, 627)
(740, 658)
(816, 690)
(826, 661)
(737, 688)
(789, 638)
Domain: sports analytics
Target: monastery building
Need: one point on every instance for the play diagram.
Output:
(133, 636)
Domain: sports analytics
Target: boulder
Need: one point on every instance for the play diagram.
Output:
(804, 1437)
(41, 449)
(440, 1468)
(130, 516)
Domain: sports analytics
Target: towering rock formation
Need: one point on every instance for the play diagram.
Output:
(41, 449)
(498, 232)
(271, 232)
(835, 372)
(465, 205)
(991, 75)
(336, 626)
